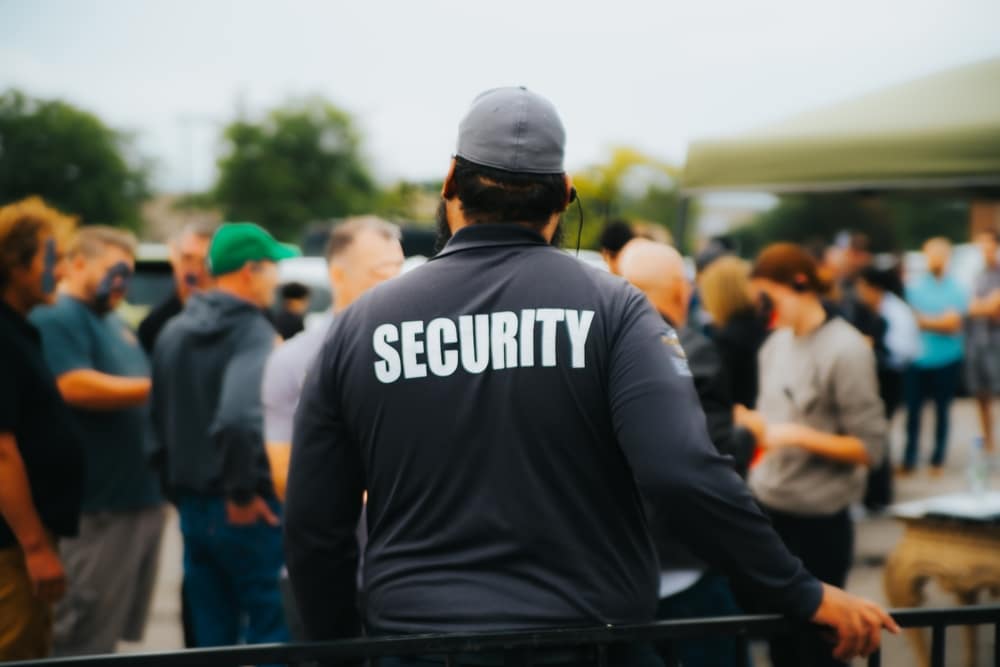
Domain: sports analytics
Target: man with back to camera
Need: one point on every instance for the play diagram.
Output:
(103, 375)
(982, 363)
(41, 448)
(361, 253)
(188, 252)
(207, 370)
(507, 410)
(687, 588)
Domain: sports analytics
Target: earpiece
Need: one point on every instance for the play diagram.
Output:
(572, 195)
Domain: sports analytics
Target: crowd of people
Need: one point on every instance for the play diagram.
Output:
(502, 439)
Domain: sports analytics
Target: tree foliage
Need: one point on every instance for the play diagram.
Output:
(891, 222)
(301, 163)
(630, 186)
(70, 158)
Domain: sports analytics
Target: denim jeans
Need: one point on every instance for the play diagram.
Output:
(940, 385)
(231, 575)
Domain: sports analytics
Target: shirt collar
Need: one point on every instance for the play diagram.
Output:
(491, 235)
(18, 322)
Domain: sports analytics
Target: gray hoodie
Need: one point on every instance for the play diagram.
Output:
(206, 406)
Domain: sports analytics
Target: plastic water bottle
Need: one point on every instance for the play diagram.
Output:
(978, 470)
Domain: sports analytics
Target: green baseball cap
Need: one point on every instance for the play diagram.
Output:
(236, 243)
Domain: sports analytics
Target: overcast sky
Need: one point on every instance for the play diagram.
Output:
(653, 75)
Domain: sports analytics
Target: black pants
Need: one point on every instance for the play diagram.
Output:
(620, 655)
(825, 544)
(878, 493)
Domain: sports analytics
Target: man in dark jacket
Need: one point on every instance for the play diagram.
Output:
(508, 409)
(687, 587)
(207, 413)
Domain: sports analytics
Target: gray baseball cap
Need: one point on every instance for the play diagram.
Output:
(515, 130)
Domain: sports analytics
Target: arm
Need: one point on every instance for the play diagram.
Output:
(237, 428)
(841, 448)
(18, 510)
(93, 390)
(323, 506)
(662, 434)
(987, 306)
(947, 323)
(860, 414)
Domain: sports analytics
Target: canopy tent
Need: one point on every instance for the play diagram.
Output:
(940, 131)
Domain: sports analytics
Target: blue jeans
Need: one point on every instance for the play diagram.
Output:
(940, 385)
(231, 575)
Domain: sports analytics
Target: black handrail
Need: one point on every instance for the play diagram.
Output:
(524, 642)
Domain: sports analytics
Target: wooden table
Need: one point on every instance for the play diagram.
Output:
(954, 540)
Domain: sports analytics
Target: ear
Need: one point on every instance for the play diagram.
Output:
(570, 190)
(448, 187)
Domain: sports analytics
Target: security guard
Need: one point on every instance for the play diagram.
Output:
(508, 410)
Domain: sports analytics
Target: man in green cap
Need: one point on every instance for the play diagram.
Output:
(206, 408)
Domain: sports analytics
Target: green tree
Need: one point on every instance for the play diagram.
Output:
(70, 158)
(630, 186)
(300, 164)
(892, 222)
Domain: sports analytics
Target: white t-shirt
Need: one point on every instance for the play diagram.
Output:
(284, 376)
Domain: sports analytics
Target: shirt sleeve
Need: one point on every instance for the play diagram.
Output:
(280, 395)
(238, 428)
(860, 411)
(323, 505)
(692, 488)
(65, 344)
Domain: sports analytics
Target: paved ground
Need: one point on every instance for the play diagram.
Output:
(876, 538)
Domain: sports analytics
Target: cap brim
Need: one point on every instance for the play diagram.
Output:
(282, 251)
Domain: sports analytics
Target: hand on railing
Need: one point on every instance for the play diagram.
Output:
(855, 622)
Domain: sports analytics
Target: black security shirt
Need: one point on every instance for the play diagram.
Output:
(47, 437)
(509, 410)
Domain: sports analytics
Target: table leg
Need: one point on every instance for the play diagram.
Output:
(904, 587)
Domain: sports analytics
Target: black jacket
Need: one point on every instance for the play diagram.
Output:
(712, 383)
(206, 403)
(738, 343)
(508, 409)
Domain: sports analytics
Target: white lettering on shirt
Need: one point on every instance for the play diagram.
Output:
(413, 348)
(475, 346)
(389, 369)
(498, 341)
(441, 362)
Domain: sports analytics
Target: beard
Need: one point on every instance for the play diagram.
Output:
(444, 234)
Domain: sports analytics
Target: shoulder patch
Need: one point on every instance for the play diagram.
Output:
(672, 342)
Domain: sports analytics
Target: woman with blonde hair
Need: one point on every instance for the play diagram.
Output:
(738, 330)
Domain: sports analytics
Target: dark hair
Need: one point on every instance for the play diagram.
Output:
(881, 279)
(615, 235)
(491, 195)
(294, 291)
(791, 265)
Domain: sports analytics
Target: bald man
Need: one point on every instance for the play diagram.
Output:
(687, 588)
(659, 272)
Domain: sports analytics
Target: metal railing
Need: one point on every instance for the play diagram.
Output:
(590, 645)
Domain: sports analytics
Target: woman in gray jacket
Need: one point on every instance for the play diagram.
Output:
(819, 420)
